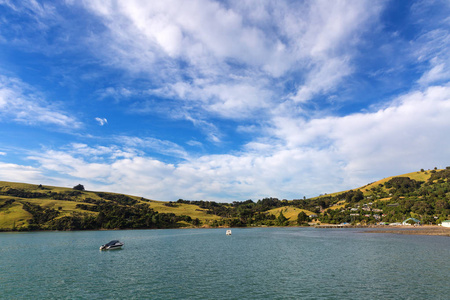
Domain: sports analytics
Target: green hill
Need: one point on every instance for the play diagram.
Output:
(28, 207)
(424, 195)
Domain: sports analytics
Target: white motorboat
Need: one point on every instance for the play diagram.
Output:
(229, 232)
(115, 244)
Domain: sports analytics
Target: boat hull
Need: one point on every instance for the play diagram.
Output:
(115, 246)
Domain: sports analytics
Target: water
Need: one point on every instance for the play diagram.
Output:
(257, 263)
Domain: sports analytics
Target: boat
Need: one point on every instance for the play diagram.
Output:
(229, 232)
(115, 244)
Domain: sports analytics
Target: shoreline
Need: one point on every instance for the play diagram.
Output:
(420, 230)
(434, 230)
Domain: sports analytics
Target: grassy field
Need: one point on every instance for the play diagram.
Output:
(289, 212)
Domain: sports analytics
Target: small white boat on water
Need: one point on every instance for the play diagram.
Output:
(115, 244)
(229, 232)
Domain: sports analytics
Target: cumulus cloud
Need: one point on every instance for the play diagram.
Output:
(304, 157)
(381, 142)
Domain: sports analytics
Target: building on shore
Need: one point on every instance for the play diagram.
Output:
(445, 223)
(411, 221)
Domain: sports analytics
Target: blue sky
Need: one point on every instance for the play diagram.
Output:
(222, 100)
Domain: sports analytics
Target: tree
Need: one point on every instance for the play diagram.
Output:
(282, 220)
(302, 218)
(79, 187)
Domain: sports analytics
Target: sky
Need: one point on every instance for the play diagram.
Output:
(222, 100)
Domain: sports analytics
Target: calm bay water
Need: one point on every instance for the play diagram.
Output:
(257, 263)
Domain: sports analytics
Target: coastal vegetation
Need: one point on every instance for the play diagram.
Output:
(423, 195)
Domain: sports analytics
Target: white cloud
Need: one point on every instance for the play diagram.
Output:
(438, 72)
(245, 50)
(230, 101)
(433, 41)
(149, 144)
(19, 173)
(20, 103)
(323, 78)
(306, 158)
(194, 143)
(101, 121)
(255, 61)
(382, 142)
(114, 92)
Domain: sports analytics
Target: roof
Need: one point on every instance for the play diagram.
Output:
(413, 219)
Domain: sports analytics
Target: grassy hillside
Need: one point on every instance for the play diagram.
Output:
(424, 195)
(191, 210)
(418, 176)
(290, 212)
(14, 195)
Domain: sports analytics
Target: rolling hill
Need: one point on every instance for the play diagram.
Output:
(423, 194)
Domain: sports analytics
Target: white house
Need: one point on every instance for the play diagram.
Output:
(445, 223)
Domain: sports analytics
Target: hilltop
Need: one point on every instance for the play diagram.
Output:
(423, 195)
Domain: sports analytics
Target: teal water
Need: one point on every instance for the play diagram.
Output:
(257, 263)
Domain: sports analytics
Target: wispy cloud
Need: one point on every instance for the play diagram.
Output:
(297, 97)
(221, 57)
(148, 144)
(101, 121)
(432, 43)
(23, 104)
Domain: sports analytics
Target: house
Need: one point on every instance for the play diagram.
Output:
(411, 220)
(313, 216)
(445, 223)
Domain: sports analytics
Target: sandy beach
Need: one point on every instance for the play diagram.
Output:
(421, 230)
